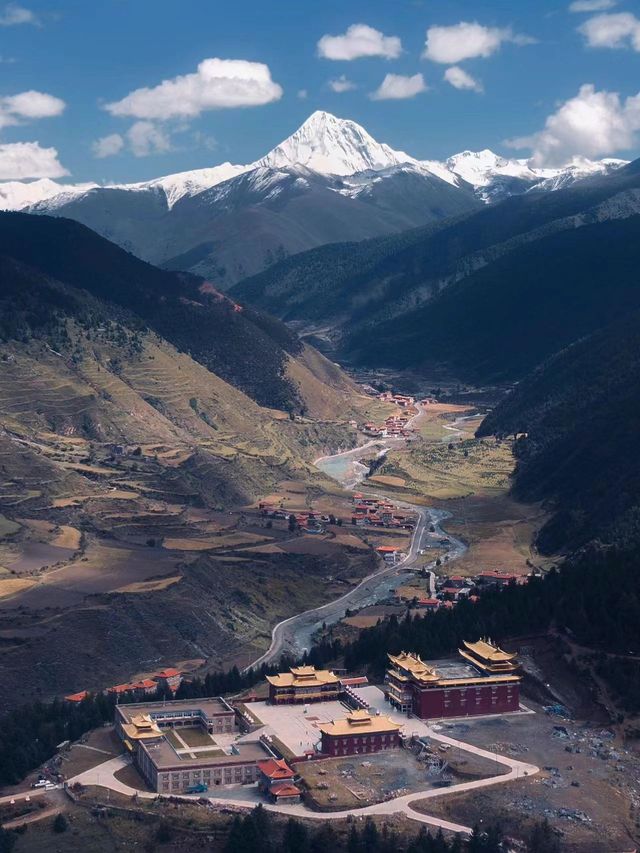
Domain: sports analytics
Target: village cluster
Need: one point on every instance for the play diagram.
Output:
(449, 590)
(166, 681)
(190, 746)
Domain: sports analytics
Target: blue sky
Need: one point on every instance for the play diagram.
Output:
(531, 59)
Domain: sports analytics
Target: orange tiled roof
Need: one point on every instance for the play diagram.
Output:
(275, 769)
(77, 697)
(170, 672)
(285, 789)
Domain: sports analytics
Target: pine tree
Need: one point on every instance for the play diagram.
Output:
(296, 837)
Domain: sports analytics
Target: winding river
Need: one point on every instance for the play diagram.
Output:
(294, 635)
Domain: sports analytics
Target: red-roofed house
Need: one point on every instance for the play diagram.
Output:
(429, 603)
(274, 771)
(118, 689)
(285, 792)
(77, 697)
(146, 686)
(170, 678)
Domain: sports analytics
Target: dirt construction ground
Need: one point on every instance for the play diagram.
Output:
(587, 789)
(359, 780)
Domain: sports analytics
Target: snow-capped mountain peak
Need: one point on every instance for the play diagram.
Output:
(189, 183)
(333, 146)
(479, 168)
(328, 146)
(15, 195)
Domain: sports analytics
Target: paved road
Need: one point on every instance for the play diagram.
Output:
(27, 795)
(247, 797)
(294, 635)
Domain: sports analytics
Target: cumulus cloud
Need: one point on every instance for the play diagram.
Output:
(620, 30)
(144, 138)
(22, 160)
(27, 106)
(13, 15)
(217, 83)
(108, 146)
(342, 84)
(459, 79)
(591, 5)
(398, 87)
(592, 124)
(359, 40)
(467, 40)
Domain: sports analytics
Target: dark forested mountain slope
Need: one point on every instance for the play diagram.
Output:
(581, 417)
(383, 301)
(504, 319)
(242, 346)
(284, 210)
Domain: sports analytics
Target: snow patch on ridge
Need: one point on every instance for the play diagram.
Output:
(328, 146)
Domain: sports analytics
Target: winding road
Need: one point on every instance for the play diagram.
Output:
(294, 635)
(247, 797)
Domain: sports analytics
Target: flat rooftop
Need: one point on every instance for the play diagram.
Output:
(211, 706)
(298, 726)
(457, 669)
(165, 757)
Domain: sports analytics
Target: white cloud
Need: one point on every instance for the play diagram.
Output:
(620, 30)
(33, 104)
(217, 83)
(359, 40)
(142, 139)
(108, 146)
(302, 94)
(398, 87)
(26, 106)
(146, 138)
(459, 79)
(467, 40)
(22, 160)
(592, 124)
(12, 15)
(591, 5)
(342, 84)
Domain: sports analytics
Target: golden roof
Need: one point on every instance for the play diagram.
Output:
(303, 676)
(415, 665)
(142, 727)
(303, 671)
(359, 722)
(487, 651)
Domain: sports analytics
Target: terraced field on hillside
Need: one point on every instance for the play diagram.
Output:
(123, 544)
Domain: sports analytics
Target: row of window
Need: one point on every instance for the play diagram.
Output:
(367, 739)
(226, 776)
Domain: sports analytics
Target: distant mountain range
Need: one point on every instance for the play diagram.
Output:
(484, 297)
(329, 181)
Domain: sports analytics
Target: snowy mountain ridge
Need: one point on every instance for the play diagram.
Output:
(329, 146)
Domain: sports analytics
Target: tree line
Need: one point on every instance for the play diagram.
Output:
(258, 832)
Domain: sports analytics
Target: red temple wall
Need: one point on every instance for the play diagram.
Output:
(466, 701)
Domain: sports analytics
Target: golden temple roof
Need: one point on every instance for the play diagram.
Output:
(486, 650)
(415, 665)
(142, 727)
(357, 722)
(303, 676)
